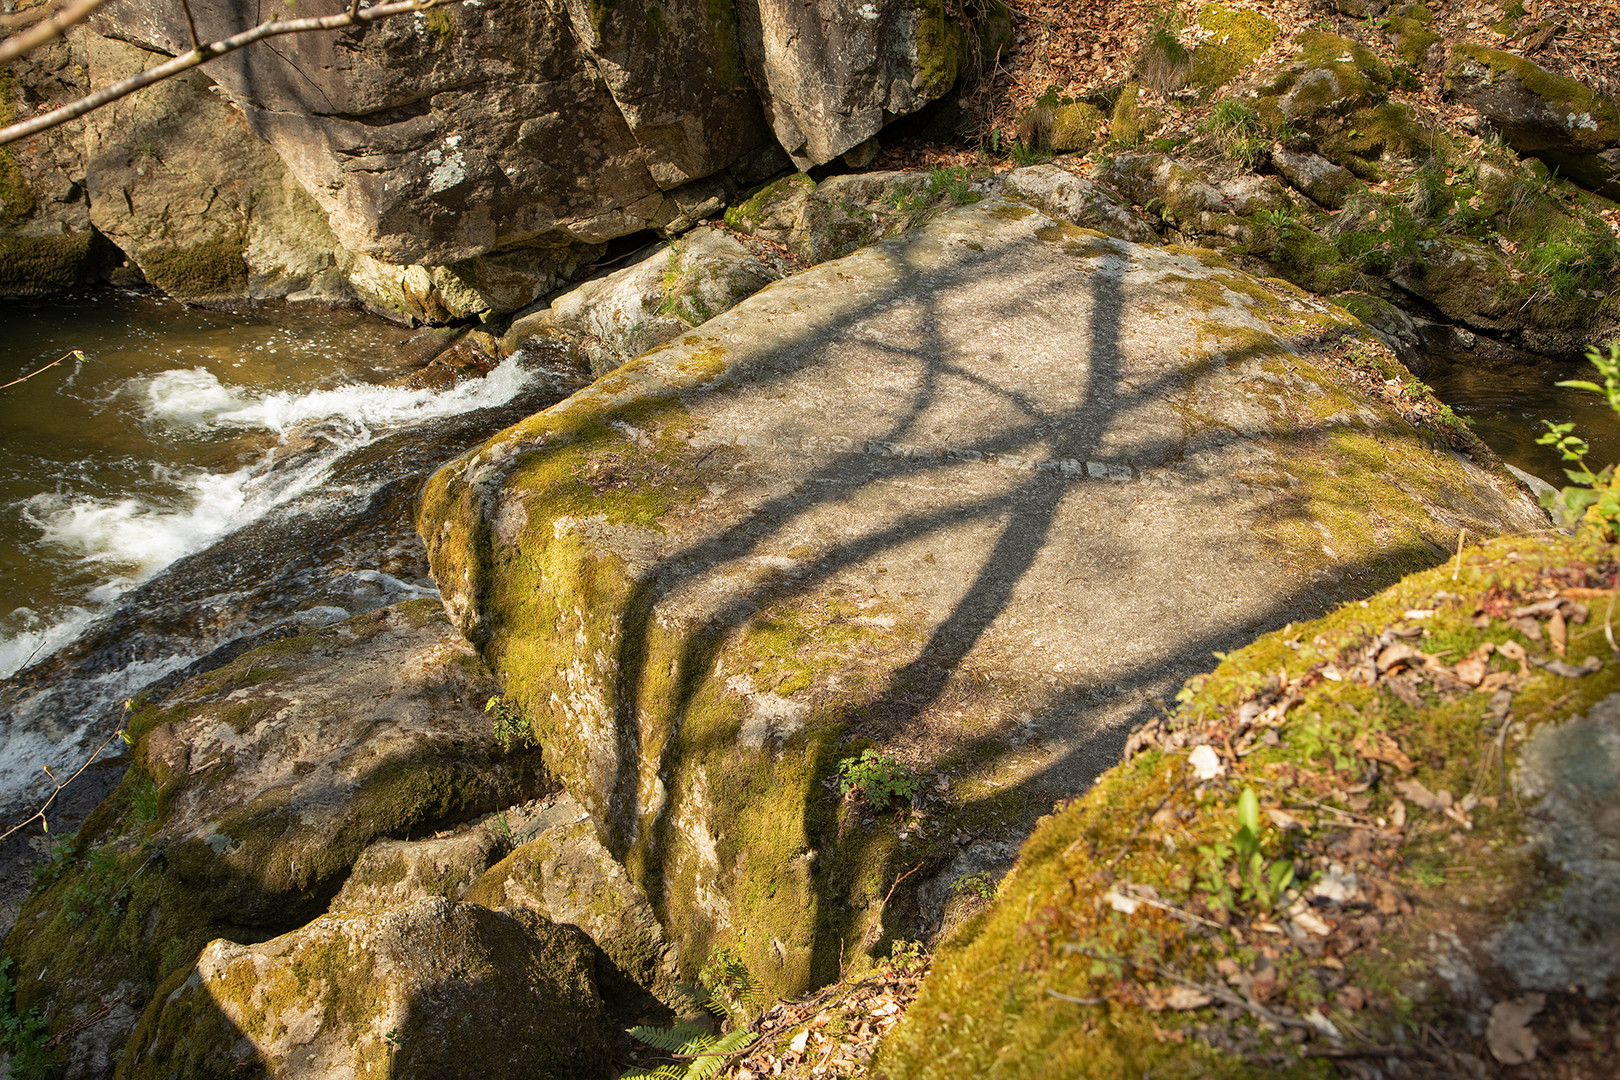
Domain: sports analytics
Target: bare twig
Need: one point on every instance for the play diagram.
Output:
(39, 815)
(1076, 1000)
(76, 354)
(1461, 536)
(1141, 823)
(186, 61)
(191, 23)
(877, 921)
(1214, 990)
(53, 26)
(1608, 617)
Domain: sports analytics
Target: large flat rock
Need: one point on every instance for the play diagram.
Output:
(981, 494)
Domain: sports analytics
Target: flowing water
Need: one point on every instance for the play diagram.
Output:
(199, 482)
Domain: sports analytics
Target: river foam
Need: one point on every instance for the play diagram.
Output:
(126, 540)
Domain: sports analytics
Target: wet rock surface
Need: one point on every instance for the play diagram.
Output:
(252, 792)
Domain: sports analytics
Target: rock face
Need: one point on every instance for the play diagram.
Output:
(834, 72)
(1002, 468)
(458, 162)
(1470, 898)
(252, 792)
(431, 989)
(203, 218)
(47, 242)
(607, 321)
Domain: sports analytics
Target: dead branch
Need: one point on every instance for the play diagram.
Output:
(201, 55)
(61, 785)
(53, 25)
(6, 386)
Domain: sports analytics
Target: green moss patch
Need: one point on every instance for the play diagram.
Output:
(212, 268)
(1271, 880)
(1237, 38)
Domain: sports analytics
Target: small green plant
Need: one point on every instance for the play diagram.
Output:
(980, 886)
(1257, 881)
(727, 991)
(22, 1036)
(144, 800)
(1588, 492)
(512, 728)
(1238, 131)
(879, 779)
(906, 959)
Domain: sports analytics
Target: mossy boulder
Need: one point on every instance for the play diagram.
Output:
(1556, 118)
(863, 510)
(604, 322)
(427, 990)
(1429, 874)
(831, 219)
(567, 876)
(1194, 199)
(1229, 40)
(1325, 183)
(251, 792)
(393, 872)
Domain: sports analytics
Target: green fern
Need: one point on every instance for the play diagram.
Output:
(703, 1053)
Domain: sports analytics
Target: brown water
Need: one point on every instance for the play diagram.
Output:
(1508, 403)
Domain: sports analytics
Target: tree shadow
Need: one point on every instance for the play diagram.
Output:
(1050, 447)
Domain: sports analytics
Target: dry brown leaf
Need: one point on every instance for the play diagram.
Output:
(1414, 792)
(1508, 1034)
(1378, 746)
(1557, 632)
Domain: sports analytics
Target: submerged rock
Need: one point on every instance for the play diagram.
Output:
(253, 791)
(998, 483)
(424, 991)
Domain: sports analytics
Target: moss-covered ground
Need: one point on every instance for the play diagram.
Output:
(1157, 926)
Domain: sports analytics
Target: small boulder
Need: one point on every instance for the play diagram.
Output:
(433, 989)
(1324, 182)
(1062, 195)
(567, 876)
(392, 872)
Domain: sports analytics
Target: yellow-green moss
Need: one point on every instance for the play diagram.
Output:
(212, 268)
(987, 1008)
(1074, 127)
(940, 47)
(1238, 37)
(31, 265)
(752, 210)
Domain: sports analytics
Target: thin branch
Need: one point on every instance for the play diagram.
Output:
(6, 386)
(39, 815)
(53, 27)
(191, 23)
(189, 60)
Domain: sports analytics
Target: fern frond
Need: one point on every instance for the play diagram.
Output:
(680, 1039)
(705, 1067)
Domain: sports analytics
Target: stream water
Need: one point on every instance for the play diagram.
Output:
(201, 481)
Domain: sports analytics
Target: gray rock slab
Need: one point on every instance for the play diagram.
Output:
(990, 488)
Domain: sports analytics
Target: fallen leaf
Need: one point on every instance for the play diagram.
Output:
(1350, 999)
(1403, 689)
(1515, 652)
(1206, 764)
(1378, 746)
(1529, 628)
(1471, 671)
(1557, 632)
(1398, 653)
(1415, 792)
(1571, 671)
(1397, 814)
(1312, 923)
(1508, 1034)
(797, 1043)
(1283, 820)
(1185, 997)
